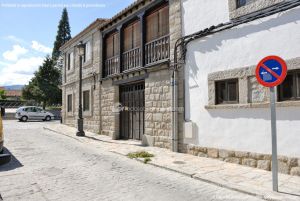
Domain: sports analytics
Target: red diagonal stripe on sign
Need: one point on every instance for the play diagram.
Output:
(270, 71)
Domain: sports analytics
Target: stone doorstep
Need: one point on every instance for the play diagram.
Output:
(248, 180)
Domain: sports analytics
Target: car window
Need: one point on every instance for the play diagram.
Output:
(38, 109)
(28, 109)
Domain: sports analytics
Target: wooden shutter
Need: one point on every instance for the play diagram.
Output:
(128, 38)
(164, 21)
(152, 27)
(136, 34)
(109, 46)
(116, 49)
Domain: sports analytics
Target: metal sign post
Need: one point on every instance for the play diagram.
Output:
(274, 139)
(270, 72)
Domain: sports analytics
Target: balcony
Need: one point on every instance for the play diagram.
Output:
(112, 65)
(157, 50)
(131, 59)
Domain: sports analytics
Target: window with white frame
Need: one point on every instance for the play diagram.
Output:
(87, 52)
(70, 60)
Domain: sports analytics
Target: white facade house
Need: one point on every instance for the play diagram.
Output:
(225, 107)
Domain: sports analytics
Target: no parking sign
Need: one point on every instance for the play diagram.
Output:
(270, 72)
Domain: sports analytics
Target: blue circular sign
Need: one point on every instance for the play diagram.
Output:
(271, 71)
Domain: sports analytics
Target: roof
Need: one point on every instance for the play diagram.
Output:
(131, 7)
(94, 24)
(13, 93)
(103, 23)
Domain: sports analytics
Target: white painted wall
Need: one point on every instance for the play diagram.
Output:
(238, 129)
(200, 14)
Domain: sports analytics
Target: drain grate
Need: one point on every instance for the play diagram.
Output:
(179, 162)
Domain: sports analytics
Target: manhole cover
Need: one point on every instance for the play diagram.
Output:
(179, 162)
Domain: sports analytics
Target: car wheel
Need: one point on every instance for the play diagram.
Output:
(48, 118)
(24, 118)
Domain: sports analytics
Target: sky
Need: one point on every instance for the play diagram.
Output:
(28, 29)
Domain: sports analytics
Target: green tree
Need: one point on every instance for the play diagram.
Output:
(2, 94)
(44, 86)
(63, 34)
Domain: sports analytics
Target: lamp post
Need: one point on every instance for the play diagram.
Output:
(81, 51)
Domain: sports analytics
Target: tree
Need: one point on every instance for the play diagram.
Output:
(43, 87)
(2, 94)
(63, 34)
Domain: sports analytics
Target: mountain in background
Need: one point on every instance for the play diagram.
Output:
(13, 87)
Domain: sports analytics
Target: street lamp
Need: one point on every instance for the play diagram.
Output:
(81, 51)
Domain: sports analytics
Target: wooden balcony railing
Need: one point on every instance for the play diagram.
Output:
(157, 50)
(132, 59)
(112, 65)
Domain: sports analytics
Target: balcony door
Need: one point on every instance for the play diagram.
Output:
(132, 46)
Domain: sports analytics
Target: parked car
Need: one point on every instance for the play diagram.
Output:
(33, 113)
(4, 157)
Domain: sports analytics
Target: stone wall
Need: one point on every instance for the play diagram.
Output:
(90, 76)
(109, 119)
(286, 165)
(158, 109)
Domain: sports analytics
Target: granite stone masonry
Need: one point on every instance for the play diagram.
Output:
(286, 165)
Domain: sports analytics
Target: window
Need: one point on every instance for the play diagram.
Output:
(69, 101)
(157, 24)
(132, 36)
(87, 52)
(290, 88)
(86, 100)
(112, 45)
(227, 91)
(70, 61)
(241, 3)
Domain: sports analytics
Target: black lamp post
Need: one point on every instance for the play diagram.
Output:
(81, 51)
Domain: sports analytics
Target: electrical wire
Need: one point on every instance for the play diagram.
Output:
(184, 41)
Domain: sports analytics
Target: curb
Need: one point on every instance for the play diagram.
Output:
(193, 175)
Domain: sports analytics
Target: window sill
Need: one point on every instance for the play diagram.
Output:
(253, 105)
(87, 113)
(71, 71)
(87, 64)
(70, 114)
(236, 12)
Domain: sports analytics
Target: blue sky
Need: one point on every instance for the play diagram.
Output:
(28, 29)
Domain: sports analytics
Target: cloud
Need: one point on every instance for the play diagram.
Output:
(40, 48)
(21, 71)
(15, 39)
(15, 53)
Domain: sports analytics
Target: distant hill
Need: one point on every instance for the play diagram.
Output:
(14, 87)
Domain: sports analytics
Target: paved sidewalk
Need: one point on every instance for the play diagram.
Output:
(236, 177)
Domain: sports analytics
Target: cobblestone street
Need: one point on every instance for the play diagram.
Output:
(49, 166)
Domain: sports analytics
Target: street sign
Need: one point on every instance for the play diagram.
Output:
(270, 72)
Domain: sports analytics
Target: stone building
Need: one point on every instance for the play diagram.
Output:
(227, 113)
(179, 74)
(126, 73)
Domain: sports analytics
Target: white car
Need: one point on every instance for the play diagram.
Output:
(33, 113)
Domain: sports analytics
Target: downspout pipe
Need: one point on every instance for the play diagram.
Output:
(174, 85)
(174, 105)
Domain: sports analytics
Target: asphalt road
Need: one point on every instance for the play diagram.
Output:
(50, 166)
